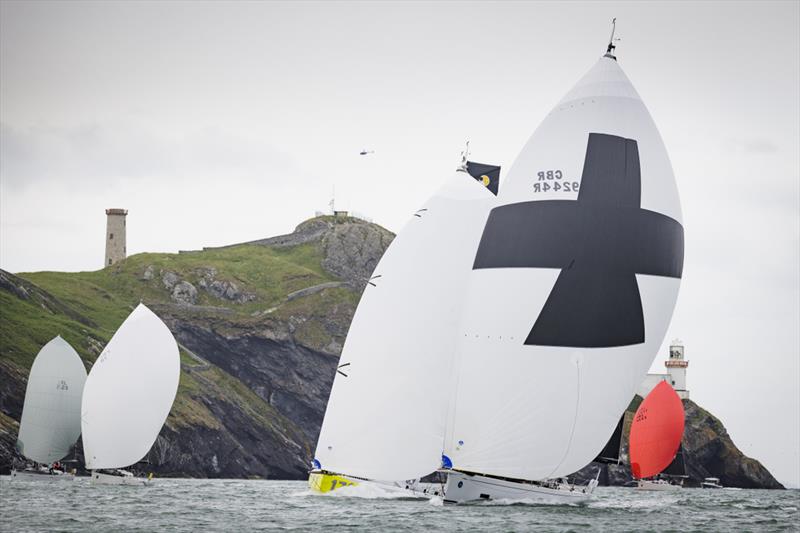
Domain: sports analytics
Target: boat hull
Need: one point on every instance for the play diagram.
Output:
(28, 475)
(323, 482)
(656, 486)
(99, 478)
(462, 487)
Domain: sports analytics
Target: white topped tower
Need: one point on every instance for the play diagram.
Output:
(675, 374)
(676, 368)
(115, 236)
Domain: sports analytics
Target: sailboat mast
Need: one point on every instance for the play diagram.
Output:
(611, 40)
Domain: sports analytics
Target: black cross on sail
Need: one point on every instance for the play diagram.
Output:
(600, 242)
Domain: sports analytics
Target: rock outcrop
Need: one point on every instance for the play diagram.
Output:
(708, 451)
(261, 326)
(351, 247)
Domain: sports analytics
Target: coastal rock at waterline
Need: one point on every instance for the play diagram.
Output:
(708, 451)
(257, 364)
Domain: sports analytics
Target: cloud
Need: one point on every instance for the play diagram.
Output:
(755, 145)
(103, 154)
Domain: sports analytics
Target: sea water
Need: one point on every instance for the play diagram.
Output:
(237, 505)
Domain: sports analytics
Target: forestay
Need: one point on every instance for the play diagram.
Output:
(129, 392)
(573, 287)
(51, 414)
(385, 419)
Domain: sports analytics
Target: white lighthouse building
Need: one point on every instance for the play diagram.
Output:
(675, 374)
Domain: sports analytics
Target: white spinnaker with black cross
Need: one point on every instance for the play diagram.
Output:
(129, 392)
(552, 343)
(51, 414)
(385, 418)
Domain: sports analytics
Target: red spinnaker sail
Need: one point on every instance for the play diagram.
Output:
(656, 431)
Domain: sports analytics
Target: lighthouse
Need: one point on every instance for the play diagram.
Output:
(115, 236)
(676, 368)
(675, 374)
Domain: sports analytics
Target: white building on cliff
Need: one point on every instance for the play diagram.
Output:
(675, 374)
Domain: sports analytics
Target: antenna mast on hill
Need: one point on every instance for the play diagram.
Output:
(333, 200)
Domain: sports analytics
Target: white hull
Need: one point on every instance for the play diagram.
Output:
(127, 478)
(462, 488)
(30, 475)
(659, 485)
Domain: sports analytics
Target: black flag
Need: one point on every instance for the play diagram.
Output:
(489, 175)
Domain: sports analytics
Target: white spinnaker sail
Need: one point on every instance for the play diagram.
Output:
(545, 408)
(385, 419)
(51, 415)
(129, 392)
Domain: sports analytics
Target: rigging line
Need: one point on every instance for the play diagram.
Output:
(574, 420)
(450, 410)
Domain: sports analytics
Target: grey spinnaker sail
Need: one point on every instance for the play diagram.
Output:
(51, 414)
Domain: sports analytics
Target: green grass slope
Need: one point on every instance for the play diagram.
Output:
(87, 307)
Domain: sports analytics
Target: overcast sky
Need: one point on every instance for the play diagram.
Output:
(216, 123)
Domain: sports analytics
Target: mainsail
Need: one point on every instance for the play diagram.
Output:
(656, 432)
(610, 452)
(385, 419)
(129, 392)
(677, 467)
(51, 414)
(572, 288)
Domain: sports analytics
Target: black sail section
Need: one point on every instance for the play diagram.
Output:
(678, 466)
(610, 452)
(489, 175)
(599, 242)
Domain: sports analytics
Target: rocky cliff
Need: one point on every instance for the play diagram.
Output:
(260, 326)
(707, 449)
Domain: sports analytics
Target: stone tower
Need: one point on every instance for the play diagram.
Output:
(115, 236)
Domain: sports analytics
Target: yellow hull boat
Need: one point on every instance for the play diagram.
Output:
(321, 481)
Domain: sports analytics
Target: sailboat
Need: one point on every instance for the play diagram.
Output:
(493, 355)
(655, 440)
(127, 397)
(51, 415)
(577, 273)
(385, 419)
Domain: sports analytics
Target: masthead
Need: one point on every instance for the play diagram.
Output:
(612, 40)
(464, 156)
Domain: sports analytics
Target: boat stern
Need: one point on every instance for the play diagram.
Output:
(321, 481)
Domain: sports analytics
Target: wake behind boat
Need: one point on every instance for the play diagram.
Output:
(121, 416)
